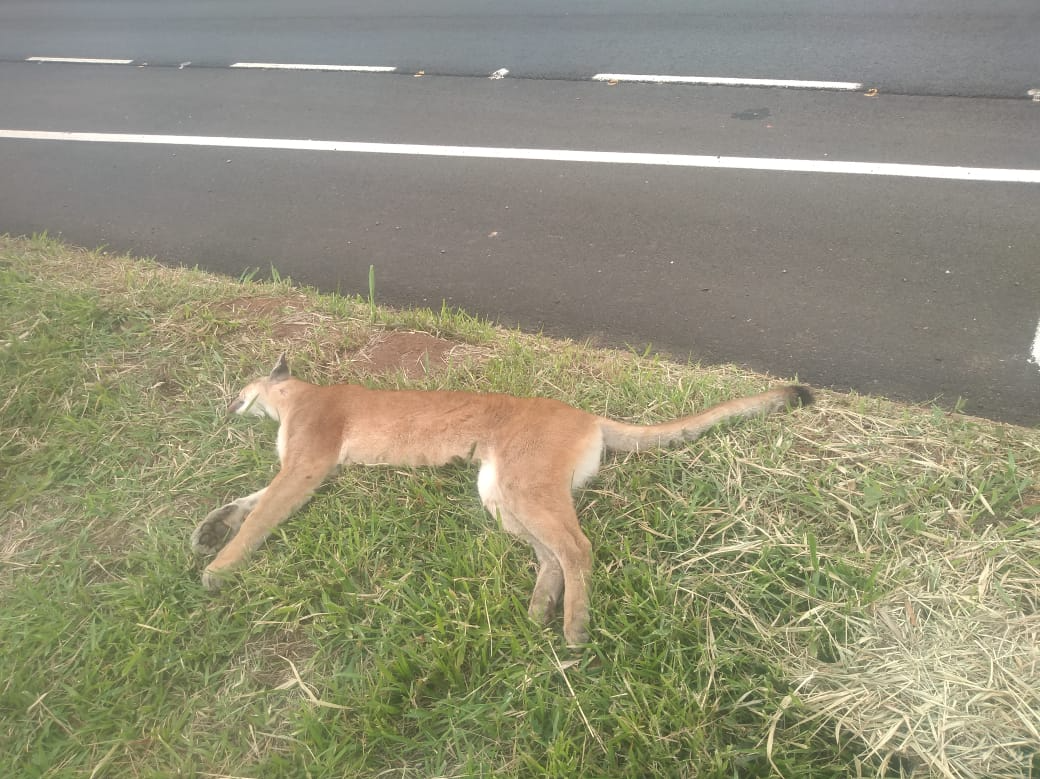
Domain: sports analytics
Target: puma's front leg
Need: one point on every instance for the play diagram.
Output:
(270, 507)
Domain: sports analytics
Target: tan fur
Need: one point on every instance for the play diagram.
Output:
(533, 452)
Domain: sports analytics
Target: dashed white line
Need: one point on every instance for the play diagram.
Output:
(80, 60)
(952, 173)
(307, 66)
(501, 72)
(734, 82)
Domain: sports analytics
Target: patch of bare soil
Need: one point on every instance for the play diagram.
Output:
(414, 354)
(287, 320)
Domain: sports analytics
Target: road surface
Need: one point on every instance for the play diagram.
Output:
(778, 228)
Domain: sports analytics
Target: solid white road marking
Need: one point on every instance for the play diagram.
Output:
(952, 173)
(79, 60)
(304, 66)
(734, 82)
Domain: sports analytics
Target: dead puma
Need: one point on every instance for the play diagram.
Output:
(533, 452)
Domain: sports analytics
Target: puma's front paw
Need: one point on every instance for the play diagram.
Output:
(212, 580)
(219, 527)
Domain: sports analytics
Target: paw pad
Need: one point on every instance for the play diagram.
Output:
(217, 529)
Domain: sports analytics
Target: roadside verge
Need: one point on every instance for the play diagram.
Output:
(854, 584)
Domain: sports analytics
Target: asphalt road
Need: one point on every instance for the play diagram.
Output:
(920, 47)
(913, 287)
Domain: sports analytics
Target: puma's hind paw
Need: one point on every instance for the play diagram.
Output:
(542, 610)
(576, 639)
(219, 527)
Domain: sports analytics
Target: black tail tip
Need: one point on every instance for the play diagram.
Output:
(801, 395)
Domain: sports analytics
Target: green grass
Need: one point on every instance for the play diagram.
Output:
(853, 589)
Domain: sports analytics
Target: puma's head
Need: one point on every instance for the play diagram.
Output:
(255, 398)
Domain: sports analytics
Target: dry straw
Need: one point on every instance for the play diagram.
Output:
(937, 672)
(945, 671)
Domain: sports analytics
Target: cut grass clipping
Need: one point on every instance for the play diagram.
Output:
(848, 590)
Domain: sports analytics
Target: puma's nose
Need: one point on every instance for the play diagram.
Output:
(236, 404)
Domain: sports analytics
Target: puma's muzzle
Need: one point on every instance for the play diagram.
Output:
(244, 403)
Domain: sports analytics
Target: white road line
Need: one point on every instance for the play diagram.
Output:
(303, 66)
(79, 60)
(1036, 347)
(735, 82)
(952, 173)
(634, 77)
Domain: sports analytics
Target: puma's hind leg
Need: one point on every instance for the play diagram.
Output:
(549, 523)
(221, 525)
(548, 588)
(575, 554)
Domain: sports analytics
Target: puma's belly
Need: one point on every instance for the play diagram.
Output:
(491, 497)
(588, 461)
(487, 485)
(403, 452)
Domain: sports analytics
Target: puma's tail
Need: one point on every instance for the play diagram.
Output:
(624, 437)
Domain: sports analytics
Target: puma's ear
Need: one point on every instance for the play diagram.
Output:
(280, 370)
